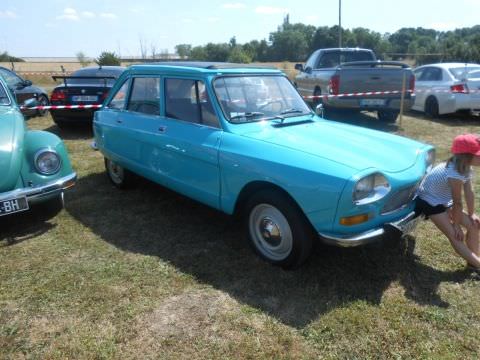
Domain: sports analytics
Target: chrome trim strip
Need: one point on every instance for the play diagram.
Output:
(36, 193)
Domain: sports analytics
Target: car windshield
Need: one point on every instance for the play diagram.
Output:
(95, 73)
(466, 72)
(4, 99)
(254, 98)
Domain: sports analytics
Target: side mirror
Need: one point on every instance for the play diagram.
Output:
(319, 110)
(29, 103)
(308, 70)
(299, 67)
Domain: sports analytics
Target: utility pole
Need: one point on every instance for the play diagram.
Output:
(340, 23)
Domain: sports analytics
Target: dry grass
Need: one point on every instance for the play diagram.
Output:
(150, 274)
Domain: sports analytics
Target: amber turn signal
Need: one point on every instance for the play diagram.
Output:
(354, 220)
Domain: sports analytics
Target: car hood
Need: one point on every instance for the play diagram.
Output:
(357, 147)
(12, 129)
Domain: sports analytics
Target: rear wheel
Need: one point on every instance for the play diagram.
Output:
(431, 107)
(120, 177)
(277, 229)
(389, 116)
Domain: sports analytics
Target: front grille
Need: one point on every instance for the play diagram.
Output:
(399, 199)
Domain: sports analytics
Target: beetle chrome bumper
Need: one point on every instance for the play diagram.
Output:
(42, 192)
(402, 226)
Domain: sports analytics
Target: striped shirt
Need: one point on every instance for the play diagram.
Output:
(435, 188)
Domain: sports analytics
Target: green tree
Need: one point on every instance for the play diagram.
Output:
(107, 58)
(82, 58)
(238, 55)
(183, 50)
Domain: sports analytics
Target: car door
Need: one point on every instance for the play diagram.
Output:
(192, 135)
(431, 83)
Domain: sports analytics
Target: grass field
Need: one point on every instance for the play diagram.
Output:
(147, 273)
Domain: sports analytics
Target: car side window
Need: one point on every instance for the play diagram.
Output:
(145, 96)
(11, 79)
(328, 60)
(120, 98)
(431, 74)
(188, 100)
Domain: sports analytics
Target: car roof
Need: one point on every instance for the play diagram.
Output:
(204, 67)
(449, 65)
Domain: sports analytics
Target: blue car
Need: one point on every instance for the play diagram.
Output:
(242, 140)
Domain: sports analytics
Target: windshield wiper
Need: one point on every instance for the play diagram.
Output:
(247, 115)
(291, 111)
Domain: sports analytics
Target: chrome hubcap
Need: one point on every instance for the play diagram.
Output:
(116, 172)
(270, 232)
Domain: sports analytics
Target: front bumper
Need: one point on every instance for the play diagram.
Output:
(43, 192)
(402, 226)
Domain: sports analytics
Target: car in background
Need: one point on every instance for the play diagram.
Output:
(242, 140)
(86, 86)
(24, 90)
(34, 165)
(446, 88)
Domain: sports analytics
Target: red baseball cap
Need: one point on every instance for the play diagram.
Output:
(466, 144)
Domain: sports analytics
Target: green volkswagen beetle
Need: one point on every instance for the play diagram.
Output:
(34, 165)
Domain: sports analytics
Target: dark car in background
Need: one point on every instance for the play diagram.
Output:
(24, 90)
(86, 86)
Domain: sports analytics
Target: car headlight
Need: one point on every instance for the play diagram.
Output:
(47, 162)
(430, 159)
(370, 188)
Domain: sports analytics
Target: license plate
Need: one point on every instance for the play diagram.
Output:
(84, 98)
(13, 205)
(372, 102)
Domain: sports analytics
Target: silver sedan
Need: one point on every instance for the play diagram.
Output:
(447, 88)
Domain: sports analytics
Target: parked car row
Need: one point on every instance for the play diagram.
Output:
(241, 140)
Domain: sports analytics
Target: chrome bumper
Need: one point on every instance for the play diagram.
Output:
(402, 226)
(42, 192)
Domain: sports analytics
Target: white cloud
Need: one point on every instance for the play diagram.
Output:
(213, 19)
(8, 14)
(88, 14)
(270, 10)
(69, 14)
(234, 6)
(108, 16)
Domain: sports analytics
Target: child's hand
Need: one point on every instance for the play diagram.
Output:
(475, 219)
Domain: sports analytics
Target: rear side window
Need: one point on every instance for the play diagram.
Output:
(431, 74)
(120, 98)
(145, 96)
(4, 100)
(11, 79)
(188, 100)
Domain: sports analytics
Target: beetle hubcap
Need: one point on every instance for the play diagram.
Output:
(270, 232)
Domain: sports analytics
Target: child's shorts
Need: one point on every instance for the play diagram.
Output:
(423, 207)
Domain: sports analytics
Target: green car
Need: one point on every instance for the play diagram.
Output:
(34, 165)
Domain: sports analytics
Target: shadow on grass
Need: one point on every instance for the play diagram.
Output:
(74, 131)
(449, 120)
(209, 246)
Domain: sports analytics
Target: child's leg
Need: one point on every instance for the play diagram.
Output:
(473, 237)
(442, 221)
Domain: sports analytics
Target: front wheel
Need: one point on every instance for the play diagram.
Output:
(389, 116)
(277, 229)
(42, 101)
(120, 177)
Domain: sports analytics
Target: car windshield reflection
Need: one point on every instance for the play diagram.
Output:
(255, 98)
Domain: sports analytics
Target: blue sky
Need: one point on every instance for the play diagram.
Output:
(65, 27)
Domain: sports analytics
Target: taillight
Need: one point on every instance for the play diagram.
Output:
(459, 88)
(104, 96)
(411, 85)
(334, 85)
(58, 95)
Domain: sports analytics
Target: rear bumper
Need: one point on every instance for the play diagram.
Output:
(43, 192)
(356, 103)
(73, 115)
(402, 226)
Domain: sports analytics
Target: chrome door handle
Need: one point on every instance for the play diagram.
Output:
(119, 121)
(162, 129)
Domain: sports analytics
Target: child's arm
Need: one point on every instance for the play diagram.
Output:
(469, 197)
(457, 209)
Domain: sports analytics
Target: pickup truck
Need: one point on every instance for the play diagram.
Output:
(332, 72)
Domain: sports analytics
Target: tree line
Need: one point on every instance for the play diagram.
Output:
(294, 42)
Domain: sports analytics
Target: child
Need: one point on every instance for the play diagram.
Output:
(440, 198)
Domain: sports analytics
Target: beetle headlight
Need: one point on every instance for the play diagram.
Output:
(47, 162)
(430, 159)
(370, 188)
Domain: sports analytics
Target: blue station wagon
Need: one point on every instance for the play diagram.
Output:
(242, 140)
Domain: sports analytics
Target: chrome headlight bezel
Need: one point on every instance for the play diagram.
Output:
(370, 188)
(41, 155)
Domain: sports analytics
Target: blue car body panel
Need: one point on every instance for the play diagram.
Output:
(315, 161)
